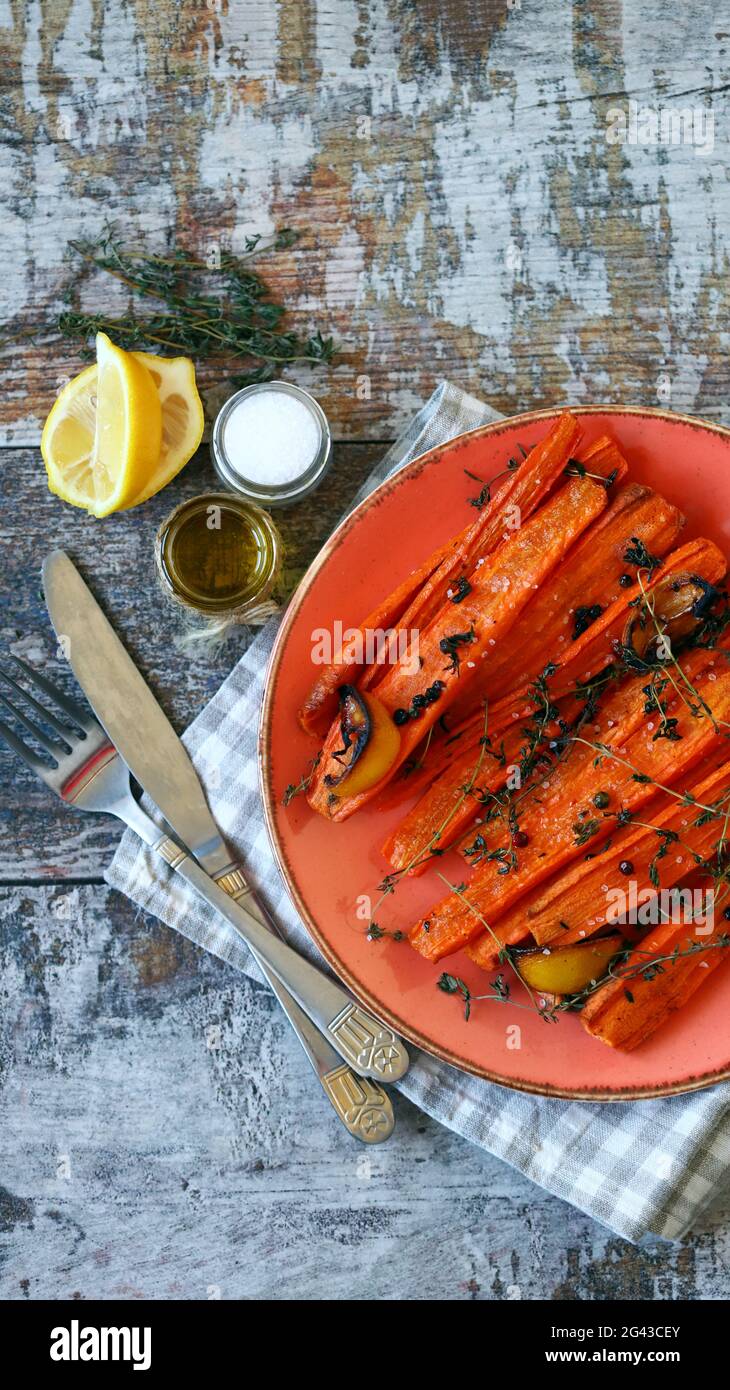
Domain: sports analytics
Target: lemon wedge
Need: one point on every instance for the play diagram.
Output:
(182, 418)
(101, 441)
(83, 410)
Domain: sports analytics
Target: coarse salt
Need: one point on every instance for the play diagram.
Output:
(271, 438)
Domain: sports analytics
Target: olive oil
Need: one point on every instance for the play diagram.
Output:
(219, 555)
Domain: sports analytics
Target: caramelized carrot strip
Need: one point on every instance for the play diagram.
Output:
(320, 705)
(558, 822)
(576, 904)
(541, 631)
(453, 645)
(595, 649)
(415, 602)
(452, 803)
(422, 820)
(517, 498)
(585, 585)
(628, 1009)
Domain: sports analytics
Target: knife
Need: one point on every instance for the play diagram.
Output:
(155, 755)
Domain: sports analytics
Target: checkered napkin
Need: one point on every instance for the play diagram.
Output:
(644, 1167)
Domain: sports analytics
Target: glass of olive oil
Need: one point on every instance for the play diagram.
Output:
(220, 556)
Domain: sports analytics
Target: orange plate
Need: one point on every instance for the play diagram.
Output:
(328, 867)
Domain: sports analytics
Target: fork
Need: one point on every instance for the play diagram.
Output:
(86, 771)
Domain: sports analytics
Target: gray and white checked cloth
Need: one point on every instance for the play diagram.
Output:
(644, 1167)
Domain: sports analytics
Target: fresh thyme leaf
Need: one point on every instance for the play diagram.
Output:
(668, 727)
(485, 494)
(585, 830)
(376, 933)
(575, 469)
(666, 838)
(500, 757)
(452, 984)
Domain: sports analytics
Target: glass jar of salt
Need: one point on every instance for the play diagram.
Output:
(271, 443)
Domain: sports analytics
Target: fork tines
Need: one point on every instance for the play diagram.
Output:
(66, 736)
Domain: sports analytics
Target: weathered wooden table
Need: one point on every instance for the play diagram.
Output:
(463, 214)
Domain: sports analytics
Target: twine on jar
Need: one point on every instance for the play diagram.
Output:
(201, 633)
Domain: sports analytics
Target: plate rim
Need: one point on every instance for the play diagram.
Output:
(624, 1094)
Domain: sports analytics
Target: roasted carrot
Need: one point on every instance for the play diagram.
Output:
(515, 500)
(559, 824)
(666, 968)
(451, 803)
(424, 818)
(595, 649)
(585, 585)
(455, 642)
(580, 902)
(604, 457)
(416, 601)
(319, 707)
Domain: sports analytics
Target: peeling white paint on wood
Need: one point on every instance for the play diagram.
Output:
(463, 212)
(166, 1141)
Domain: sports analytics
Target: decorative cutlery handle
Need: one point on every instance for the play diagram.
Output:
(366, 1044)
(362, 1105)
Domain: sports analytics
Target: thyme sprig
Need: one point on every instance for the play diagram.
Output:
(575, 469)
(603, 750)
(668, 726)
(535, 756)
(430, 849)
(304, 783)
(531, 756)
(376, 933)
(506, 956)
(647, 970)
(221, 310)
(484, 496)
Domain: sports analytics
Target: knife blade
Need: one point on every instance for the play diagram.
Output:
(128, 710)
(148, 744)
